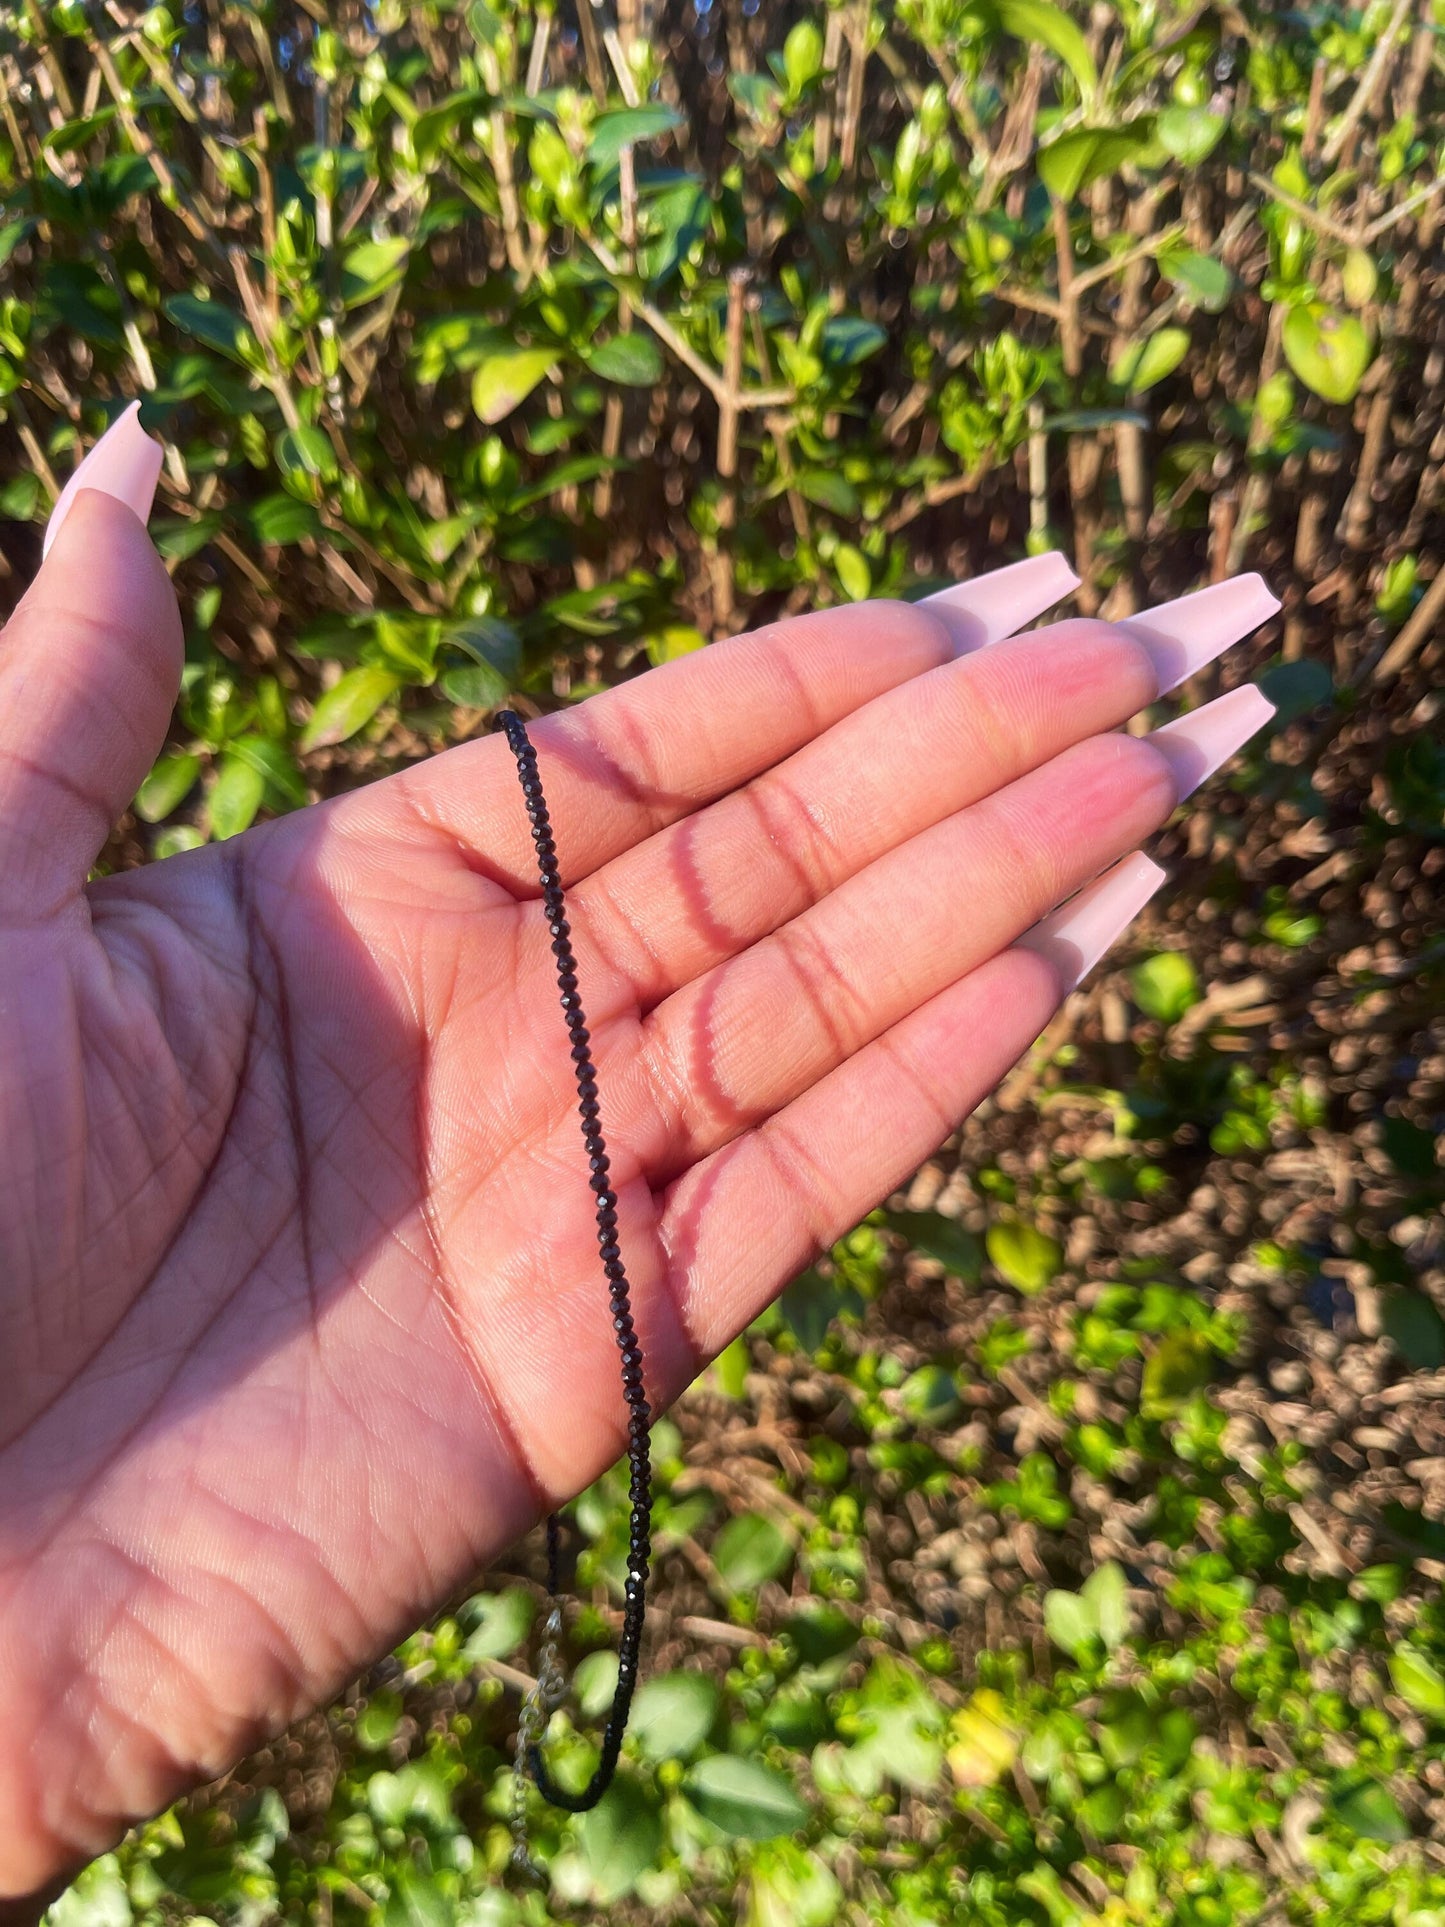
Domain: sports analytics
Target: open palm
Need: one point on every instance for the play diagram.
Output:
(300, 1301)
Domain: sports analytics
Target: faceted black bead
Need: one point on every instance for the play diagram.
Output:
(567, 979)
(571, 1001)
(610, 1250)
(607, 1215)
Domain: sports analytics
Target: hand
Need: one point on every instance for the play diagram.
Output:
(300, 1303)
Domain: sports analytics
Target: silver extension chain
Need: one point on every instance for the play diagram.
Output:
(546, 1695)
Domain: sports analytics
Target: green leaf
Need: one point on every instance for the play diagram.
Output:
(1368, 1808)
(378, 1721)
(594, 1681)
(1026, 1257)
(1409, 1147)
(730, 1368)
(11, 236)
(1145, 362)
(1329, 351)
(674, 641)
(280, 518)
(1360, 278)
(929, 1396)
(635, 361)
(829, 490)
(235, 797)
(749, 1550)
(822, 1634)
(848, 340)
(505, 380)
(349, 705)
(1108, 1600)
(209, 321)
(811, 1303)
(1070, 1621)
(853, 573)
(20, 497)
(625, 128)
(1418, 1681)
(945, 1239)
(489, 640)
(1295, 688)
(673, 1714)
(1074, 161)
(1205, 281)
(307, 451)
(1416, 1329)
(168, 784)
(744, 1797)
(97, 1898)
(621, 1838)
(802, 55)
(474, 685)
(1165, 986)
(175, 838)
(1190, 134)
(1039, 24)
(177, 539)
(900, 1726)
(416, 1900)
(1181, 1364)
(759, 96)
(277, 765)
(500, 1622)
(371, 267)
(791, 1887)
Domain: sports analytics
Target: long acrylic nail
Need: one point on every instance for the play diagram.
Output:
(1074, 937)
(125, 463)
(1182, 636)
(989, 607)
(1195, 745)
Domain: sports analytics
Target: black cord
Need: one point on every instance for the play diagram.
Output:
(639, 1415)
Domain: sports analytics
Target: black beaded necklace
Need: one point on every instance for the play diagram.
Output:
(549, 1689)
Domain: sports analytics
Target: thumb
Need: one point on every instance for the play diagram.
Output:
(89, 668)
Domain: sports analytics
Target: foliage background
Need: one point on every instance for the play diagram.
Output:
(1066, 1546)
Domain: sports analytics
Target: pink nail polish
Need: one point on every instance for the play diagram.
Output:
(989, 607)
(1074, 937)
(1195, 745)
(125, 463)
(1184, 635)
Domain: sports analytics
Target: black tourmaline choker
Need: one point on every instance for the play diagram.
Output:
(549, 1689)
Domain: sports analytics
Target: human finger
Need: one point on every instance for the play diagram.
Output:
(628, 761)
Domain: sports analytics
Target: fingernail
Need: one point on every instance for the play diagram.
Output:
(989, 607)
(1195, 745)
(1184, 635)
(125, 463)
(1074, 937)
